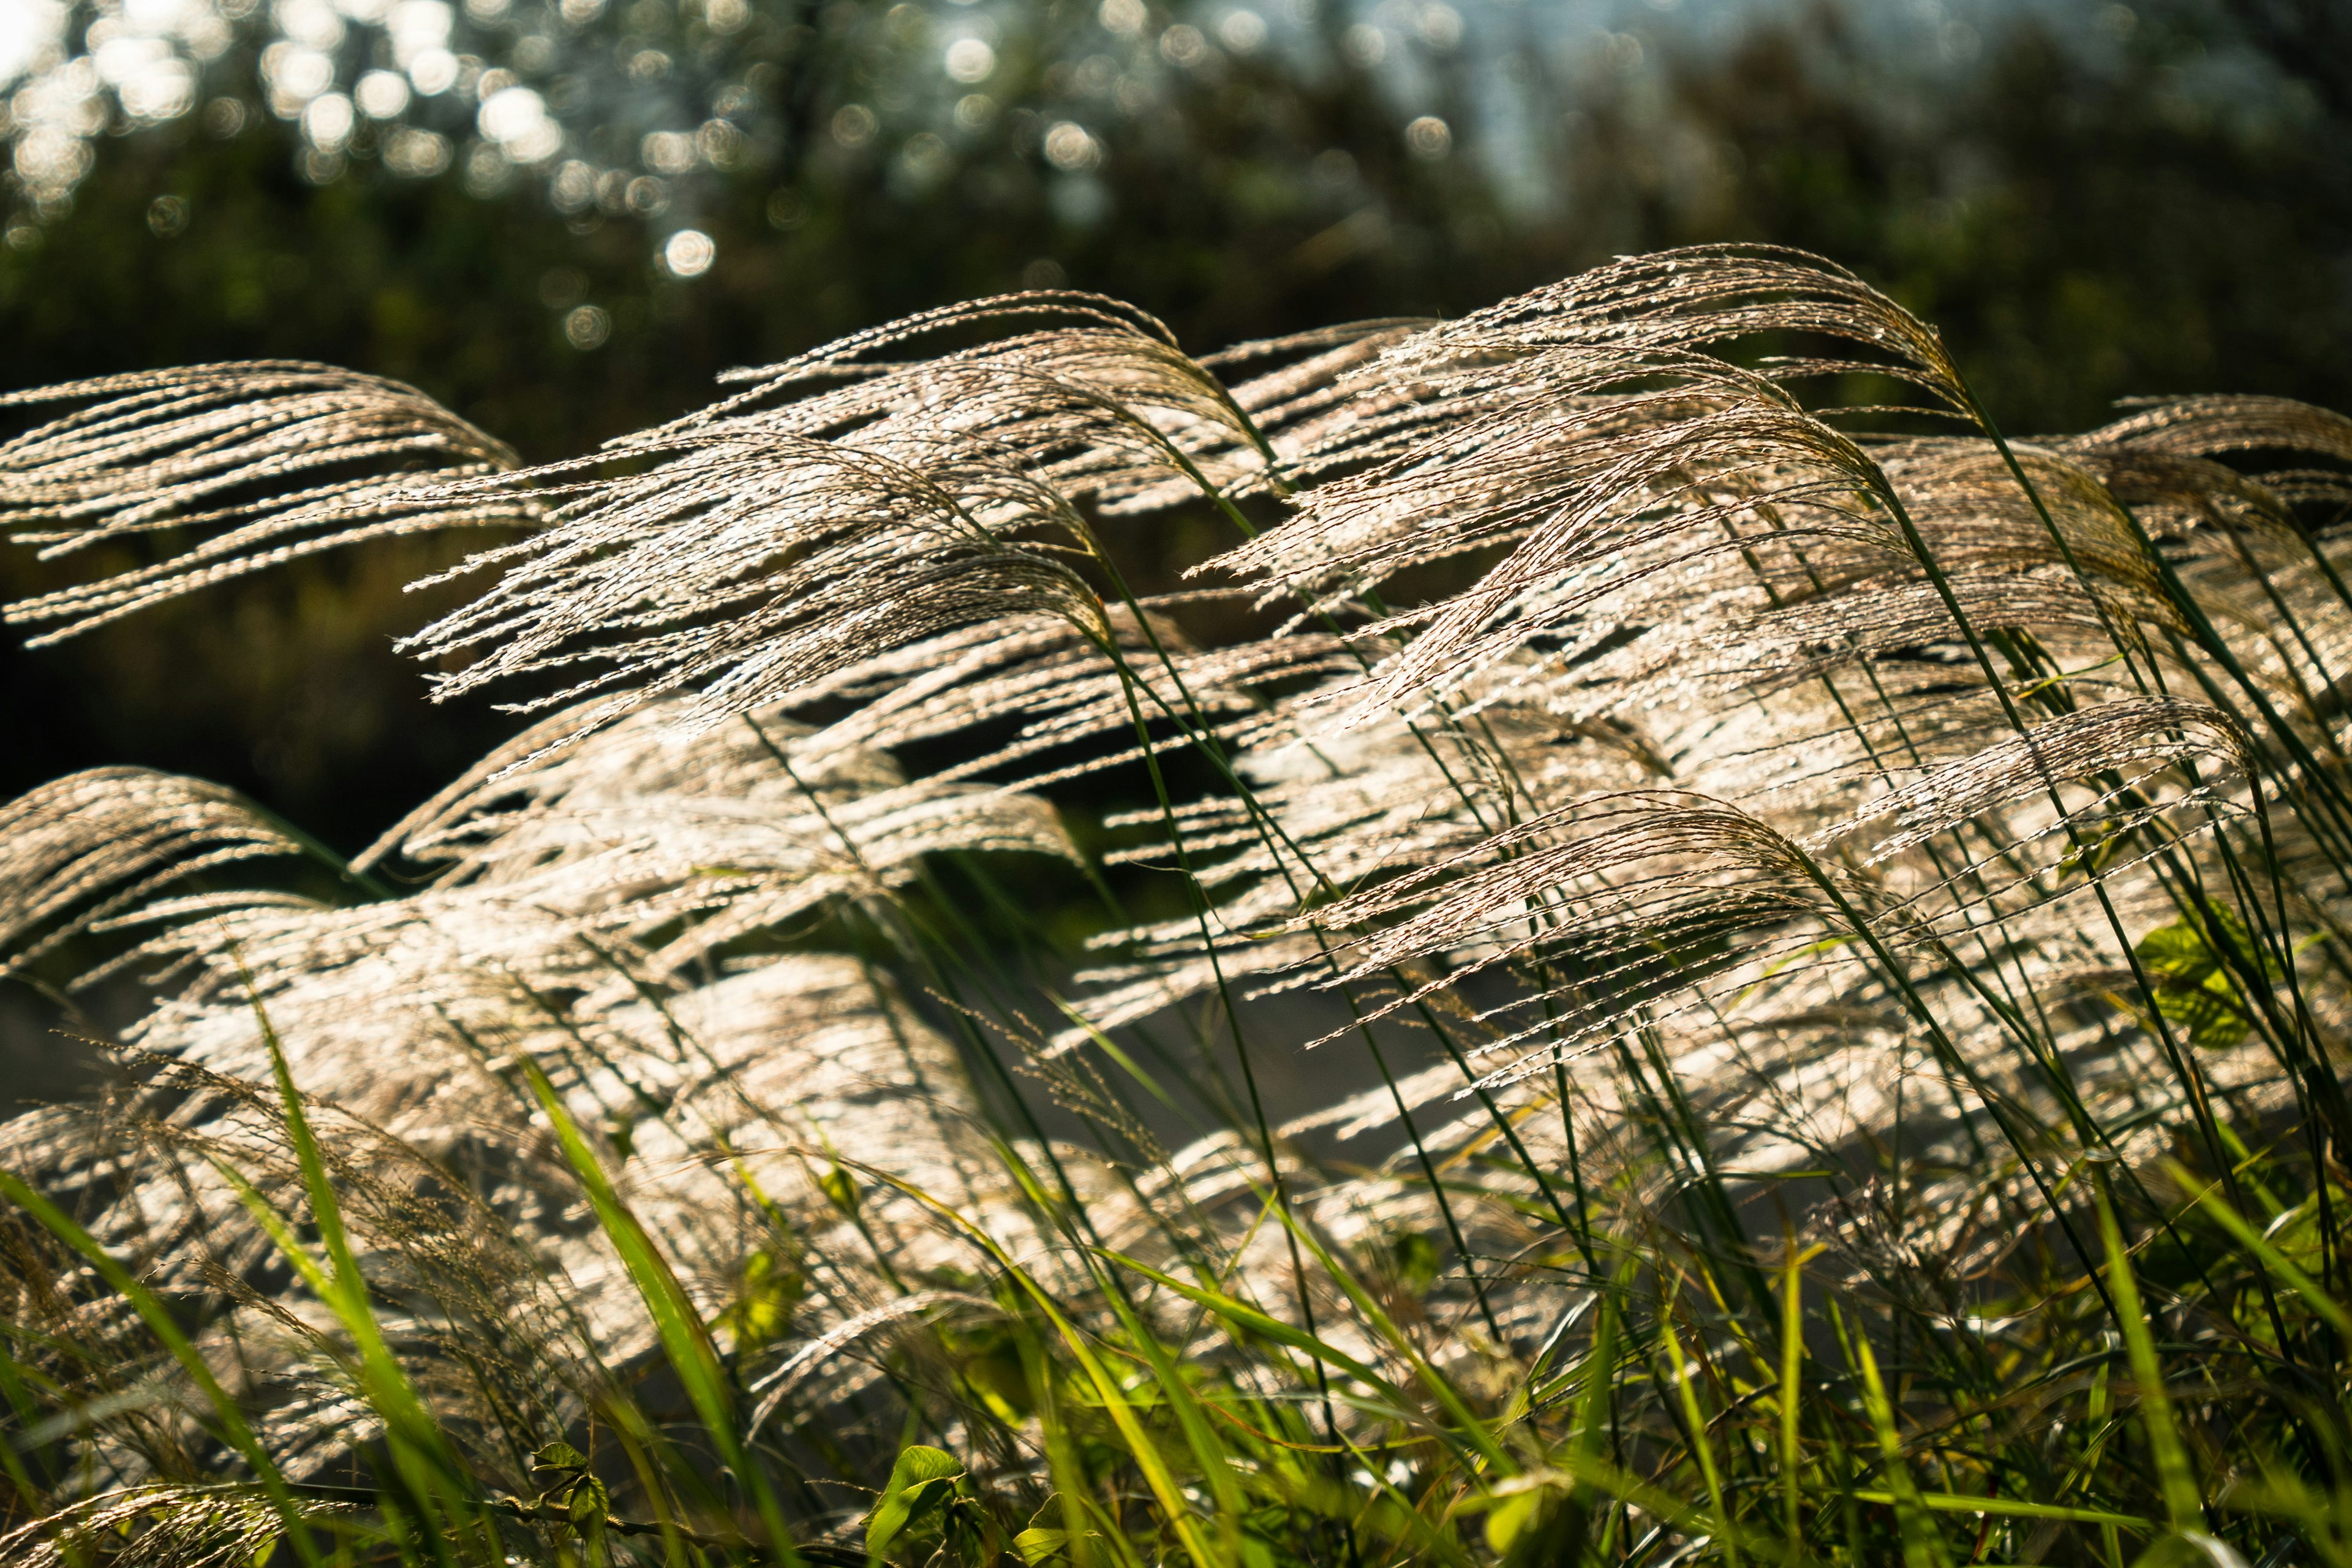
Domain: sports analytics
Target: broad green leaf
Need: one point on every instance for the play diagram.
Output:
(559, 1456)
(1036, 1545)
(920, 1484)
(588, 1504)
(2192, 975)
(1511, 1516)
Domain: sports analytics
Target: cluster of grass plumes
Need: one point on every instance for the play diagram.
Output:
(1834, 929)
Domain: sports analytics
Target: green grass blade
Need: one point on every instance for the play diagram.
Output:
(1116, 1404)
(420, 1456)
(414, 1439)
(2010, 1508)
(1473, 1429)
(684, 1338)
(1792, 1369)
(158, 1321)
(2184, 1510)
(1701, 1449)
(1250, 1319)
(1923, 1544)
(2314, 1294)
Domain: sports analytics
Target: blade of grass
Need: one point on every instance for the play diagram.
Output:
(1701, 1448)
(2210, 1199)
(1923, 1544)
(2010, 1508)
(2176, 1481)
(420, 1457)
(158, 1321)
(1792, 1368)
(1248, 1318)
(1116, 1404)
(684, 1338)
(1473, 1430)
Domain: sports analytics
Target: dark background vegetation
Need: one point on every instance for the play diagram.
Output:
(2092, 202)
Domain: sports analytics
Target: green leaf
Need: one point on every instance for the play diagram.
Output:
(1036, 1545)
(559, 1456)
(772, 1291)
(2191, 977)
(588, 1505)
(2100, 842)
(2009, 1507)
(621, 1132)
(1923, 1547)
(1415, 1257)
(436, 1483)
(1115, 1401)
(1511, 1516)
(920, 1484)
(1726, 1535)
(1244, 1316)
(2277, 1262)
(159, 1323)
(1043, 1542)
(1791, 1392)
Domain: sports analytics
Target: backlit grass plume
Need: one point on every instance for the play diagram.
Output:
(1672, 950)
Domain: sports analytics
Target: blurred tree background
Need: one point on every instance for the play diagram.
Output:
(563, 219)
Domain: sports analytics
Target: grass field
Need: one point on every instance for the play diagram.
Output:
(1817, 936)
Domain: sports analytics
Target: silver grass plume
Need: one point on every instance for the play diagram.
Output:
(99, 845)
(734, 1088)
(750, 564)
(236, 468)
